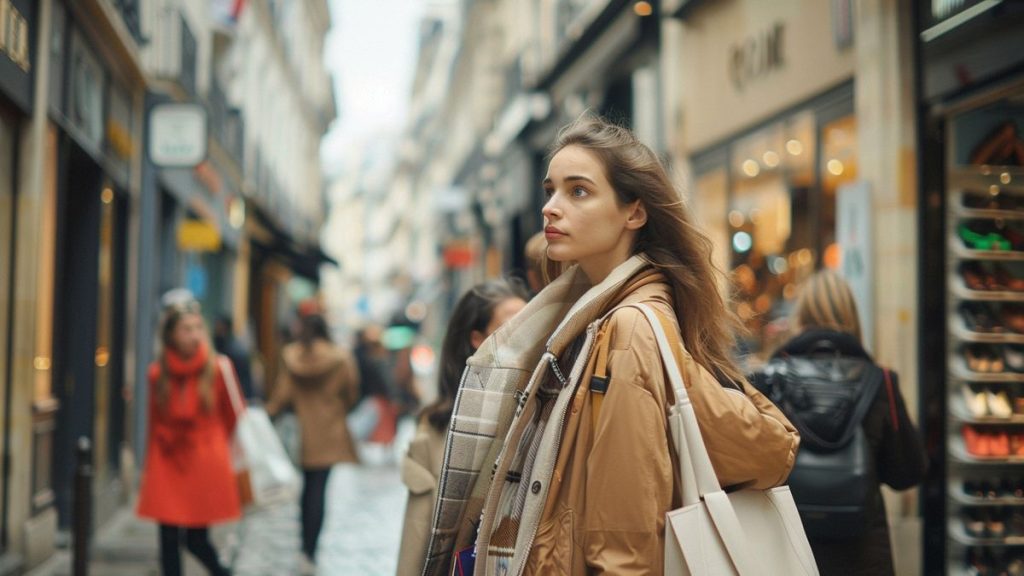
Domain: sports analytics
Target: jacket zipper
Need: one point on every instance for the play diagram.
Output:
(582, 359)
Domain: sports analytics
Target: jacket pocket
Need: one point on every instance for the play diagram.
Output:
(552, 551)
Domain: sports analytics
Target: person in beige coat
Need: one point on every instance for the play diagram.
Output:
(319, 380)
(480, 311)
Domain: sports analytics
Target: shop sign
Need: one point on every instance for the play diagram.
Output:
(198, 236)
(459, 254)
(177, 135)
(16, 50)
(757, 56)
(853, 233)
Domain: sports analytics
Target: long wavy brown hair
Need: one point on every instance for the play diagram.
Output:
(669, 239)
(172, 316)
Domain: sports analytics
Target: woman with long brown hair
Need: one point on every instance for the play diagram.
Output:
(585, 475)
(188, 483)
(480, 311)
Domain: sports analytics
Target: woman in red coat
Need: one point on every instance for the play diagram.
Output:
(188, 483)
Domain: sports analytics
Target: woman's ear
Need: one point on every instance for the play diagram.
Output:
(476, 338)
(637, 216)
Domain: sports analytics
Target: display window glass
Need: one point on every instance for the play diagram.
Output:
(778, 188)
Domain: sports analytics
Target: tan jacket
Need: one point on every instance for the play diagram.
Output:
(321, 384)
(420, 469)
(604, 509)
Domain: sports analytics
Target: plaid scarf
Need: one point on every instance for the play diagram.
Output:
(491, 393)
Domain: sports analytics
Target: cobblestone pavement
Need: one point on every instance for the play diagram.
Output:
(363, 525)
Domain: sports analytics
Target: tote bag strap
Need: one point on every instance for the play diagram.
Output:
(693, 455)
(696, 452)
(228, 373)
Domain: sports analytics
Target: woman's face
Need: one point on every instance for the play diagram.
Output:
(584, 221)
(503, 312)
(188, 334)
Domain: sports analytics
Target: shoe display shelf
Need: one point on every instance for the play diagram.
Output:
(960, 331)
(981, 178)
(978, 181)
(960, 535)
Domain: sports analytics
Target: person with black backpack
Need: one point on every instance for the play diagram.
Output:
(855, 433)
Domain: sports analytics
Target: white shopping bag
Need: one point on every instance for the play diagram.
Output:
(258, 453)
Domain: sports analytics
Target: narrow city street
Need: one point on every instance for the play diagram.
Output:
(361, 534)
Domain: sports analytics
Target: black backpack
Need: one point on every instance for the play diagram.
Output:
(826, 397)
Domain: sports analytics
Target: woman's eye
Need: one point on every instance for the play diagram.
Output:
(579, 192)
(549, 192)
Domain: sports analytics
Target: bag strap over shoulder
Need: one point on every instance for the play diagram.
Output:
(228, 373)
(599, 380)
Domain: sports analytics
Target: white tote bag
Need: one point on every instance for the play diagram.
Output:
(257, 449)
(743, 533)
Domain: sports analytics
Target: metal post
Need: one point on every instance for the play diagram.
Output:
(82, 511)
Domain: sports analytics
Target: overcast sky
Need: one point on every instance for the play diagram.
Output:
(371, 53)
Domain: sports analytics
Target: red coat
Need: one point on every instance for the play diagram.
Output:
(188, 479)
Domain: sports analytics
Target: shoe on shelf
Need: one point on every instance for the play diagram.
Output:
(1013, 354)
(974, 275)
(976, 402)
(978, 317)
(996, 364)
(983, 240)
(998, 404)
(1011, 315)
(977, 443)
(1005, 279)
(999, 444)
(976, 359)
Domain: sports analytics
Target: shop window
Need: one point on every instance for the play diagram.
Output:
(779, 224)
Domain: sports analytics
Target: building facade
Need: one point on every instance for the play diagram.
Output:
(93, 231)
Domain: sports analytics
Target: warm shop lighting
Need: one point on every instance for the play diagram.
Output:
(102, 356)
(742, 242)
(1005, 178)
(794, 147)
(41, 363)
(771, 159)
(643, 9)
(835, 167)
(736, 218)
(993, 190)
(751, 168)
(107, 196)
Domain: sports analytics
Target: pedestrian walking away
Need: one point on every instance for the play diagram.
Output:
(188, 483)
(856, 433)
(480, 311)
(320, 382)
(584, 476)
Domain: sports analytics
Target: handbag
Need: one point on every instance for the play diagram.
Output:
(745, 532)
(264, 471)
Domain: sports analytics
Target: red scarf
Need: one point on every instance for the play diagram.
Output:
(183, 377)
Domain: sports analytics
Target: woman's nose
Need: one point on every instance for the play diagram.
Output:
(550, 208)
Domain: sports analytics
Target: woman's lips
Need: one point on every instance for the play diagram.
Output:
(551, 233)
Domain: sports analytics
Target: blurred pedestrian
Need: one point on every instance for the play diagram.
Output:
(535, 262)
(188, 482)
(585, 484)
(225, 342)
(829, 350)
(374, 419)
(319, 381)
(477, 315)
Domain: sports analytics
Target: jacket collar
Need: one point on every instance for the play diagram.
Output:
(817, 339)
